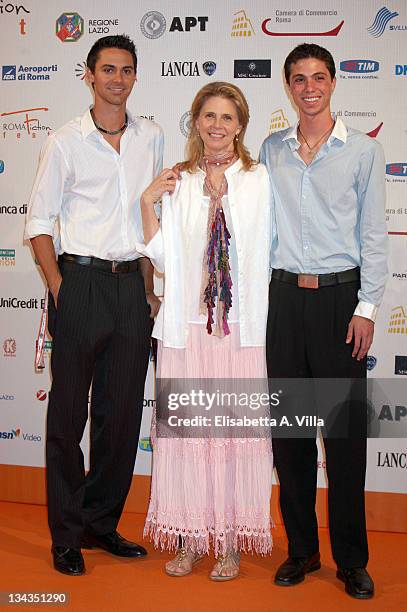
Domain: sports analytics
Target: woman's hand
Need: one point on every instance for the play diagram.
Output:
(164, 182)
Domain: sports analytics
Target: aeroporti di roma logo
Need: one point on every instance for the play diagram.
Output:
(69, 27)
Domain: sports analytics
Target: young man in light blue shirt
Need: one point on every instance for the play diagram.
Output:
(329, 261)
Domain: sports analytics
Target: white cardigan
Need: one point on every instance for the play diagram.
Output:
(249, 196)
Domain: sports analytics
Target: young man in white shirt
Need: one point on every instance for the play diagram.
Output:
(90, 177)
(328, 256)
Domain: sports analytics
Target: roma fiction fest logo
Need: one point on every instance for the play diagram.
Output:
(242, 27)
(7, 258)
(186, 69)
(9, 347)
(252, 69)
(278, 121)
(153, 24)
(69, 27)
(291, 16)
(28, 73)
(359, 69)
(24, 122)
(398, 321)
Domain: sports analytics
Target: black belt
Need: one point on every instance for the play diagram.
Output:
(116, 267)
(314, 281)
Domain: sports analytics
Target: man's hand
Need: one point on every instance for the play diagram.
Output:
(362, 330)
(154, 304)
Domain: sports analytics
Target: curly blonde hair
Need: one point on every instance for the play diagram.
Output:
(195, 147)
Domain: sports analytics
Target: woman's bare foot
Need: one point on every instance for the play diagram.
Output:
(226, 567)
(183, 562)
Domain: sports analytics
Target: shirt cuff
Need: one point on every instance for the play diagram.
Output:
(366, 310)
(154, 250)
(36, 227)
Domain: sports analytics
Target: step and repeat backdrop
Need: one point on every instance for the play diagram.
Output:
(182, 46)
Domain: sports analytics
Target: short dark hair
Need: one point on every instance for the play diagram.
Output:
(305, 51)
(117, 41)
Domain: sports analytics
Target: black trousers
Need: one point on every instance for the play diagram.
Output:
(306, 331)
(101, 334)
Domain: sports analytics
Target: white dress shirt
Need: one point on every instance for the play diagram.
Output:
(173, 247)
(93, 190)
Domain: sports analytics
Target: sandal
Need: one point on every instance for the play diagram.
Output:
(231, 561)
(184, 561)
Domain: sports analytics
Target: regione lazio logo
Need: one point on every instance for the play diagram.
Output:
(380, 22)
(242, 26)
(69, 27)
(9, 73)
(153, 24)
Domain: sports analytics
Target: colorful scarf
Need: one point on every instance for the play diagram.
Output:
(216, 288)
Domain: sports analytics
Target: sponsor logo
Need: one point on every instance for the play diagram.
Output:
(22, 23)
(9, 73)
(400, 275)
(102, 26)
(80, 70)
(69, 27)
(359, 69)
(397, 169)
(371, 362)
(189, 22)
(186, 69)
(7, 257)
(153, 24)
(400, 365)
(29, 73)
(13, 434)
(9, 347)
(41, 395)
(290, 15)
(374, 133)
(1, 168)
(10, 435)
(30, 126)
(185, 124)
(392, 413)
(383, 16)
(391, 460)
(149, 117)
(13, 302)
(278, 121)
(355, 113)
(398, 321)
(252, 69)
(242, 26)
(6, 398)
(8, 7)
(145, 444)
(209, 68)
(13, 209)
(400, 69)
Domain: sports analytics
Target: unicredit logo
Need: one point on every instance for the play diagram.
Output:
(13, 302)
(359, 66)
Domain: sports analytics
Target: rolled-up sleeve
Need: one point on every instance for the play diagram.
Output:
(46, 197)
(373, 228)
(154, 250)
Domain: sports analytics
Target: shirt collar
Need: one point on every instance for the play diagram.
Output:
(87, 125)
(339, 132)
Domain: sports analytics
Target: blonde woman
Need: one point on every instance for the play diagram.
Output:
(212, 244)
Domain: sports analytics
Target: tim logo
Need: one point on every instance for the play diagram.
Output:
(359, 66)
(398, 169)
(380, 22)
(8, 73)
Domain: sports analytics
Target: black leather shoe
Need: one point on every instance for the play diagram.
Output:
(68, 560)
(293, 570)
(113, 543)
(357, 581)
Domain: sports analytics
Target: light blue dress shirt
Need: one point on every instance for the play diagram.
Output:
(329, 216)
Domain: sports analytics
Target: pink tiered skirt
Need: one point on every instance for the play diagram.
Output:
(211, 492)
